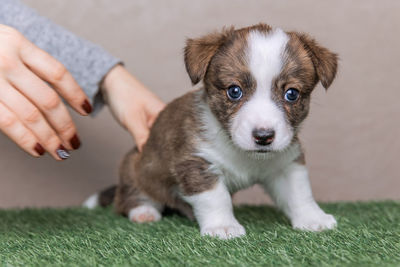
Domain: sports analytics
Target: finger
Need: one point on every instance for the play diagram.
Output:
(32, 118)
(137, 126)
(53, 72)
(153, 116)
(151, 120)
(17, 132)
(49, 104)
(153, 112)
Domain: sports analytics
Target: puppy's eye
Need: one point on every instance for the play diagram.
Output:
(234, 92)
(292, 95)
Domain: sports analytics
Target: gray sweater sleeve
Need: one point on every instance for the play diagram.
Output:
(87, 62)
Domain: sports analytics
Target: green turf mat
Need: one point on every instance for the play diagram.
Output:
(368, 234)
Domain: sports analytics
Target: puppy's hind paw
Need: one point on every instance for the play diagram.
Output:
(144, 214)
(315, 223)
(225, 231)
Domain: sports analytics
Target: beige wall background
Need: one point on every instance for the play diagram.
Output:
(352, 136)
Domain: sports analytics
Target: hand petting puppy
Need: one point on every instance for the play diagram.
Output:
(32, 113)
(131, 103)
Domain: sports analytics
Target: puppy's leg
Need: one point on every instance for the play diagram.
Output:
(132, 201)
(213, 211)
(291, 192)
(136, 205)
(145, 212)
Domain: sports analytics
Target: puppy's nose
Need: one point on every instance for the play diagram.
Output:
(263, 137)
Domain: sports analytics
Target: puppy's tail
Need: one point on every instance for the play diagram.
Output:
(103, 198)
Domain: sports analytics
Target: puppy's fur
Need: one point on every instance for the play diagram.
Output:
(202, 148)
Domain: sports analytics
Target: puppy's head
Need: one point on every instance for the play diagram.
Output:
(258, 81)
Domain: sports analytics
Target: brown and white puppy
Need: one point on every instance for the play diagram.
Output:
(240, 129)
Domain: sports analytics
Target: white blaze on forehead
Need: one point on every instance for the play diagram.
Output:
(265, 61)
(265, 55)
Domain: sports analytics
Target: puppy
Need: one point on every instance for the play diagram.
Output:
(240, 129)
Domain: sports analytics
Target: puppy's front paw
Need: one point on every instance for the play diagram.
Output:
(144, 213)
(315, 222)
(224, 231)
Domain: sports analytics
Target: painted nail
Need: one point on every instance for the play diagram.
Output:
(87, 107)
(39, 149)
(75, 142)
(62, 152)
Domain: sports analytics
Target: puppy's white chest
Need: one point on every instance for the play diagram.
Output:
(240, 169)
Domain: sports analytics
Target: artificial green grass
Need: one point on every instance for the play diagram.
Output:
(368, 234)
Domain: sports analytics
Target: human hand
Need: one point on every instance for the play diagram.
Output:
(31, 112)
(131, 103)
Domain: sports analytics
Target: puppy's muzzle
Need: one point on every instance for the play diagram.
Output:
(263, 137)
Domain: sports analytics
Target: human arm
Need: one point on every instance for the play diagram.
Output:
(89, 65)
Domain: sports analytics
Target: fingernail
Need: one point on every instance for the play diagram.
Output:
(62, 152)
(87, 107)
(39, 149)
(75, 142)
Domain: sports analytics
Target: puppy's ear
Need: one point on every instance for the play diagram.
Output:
(325, 61)
(198, 53)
